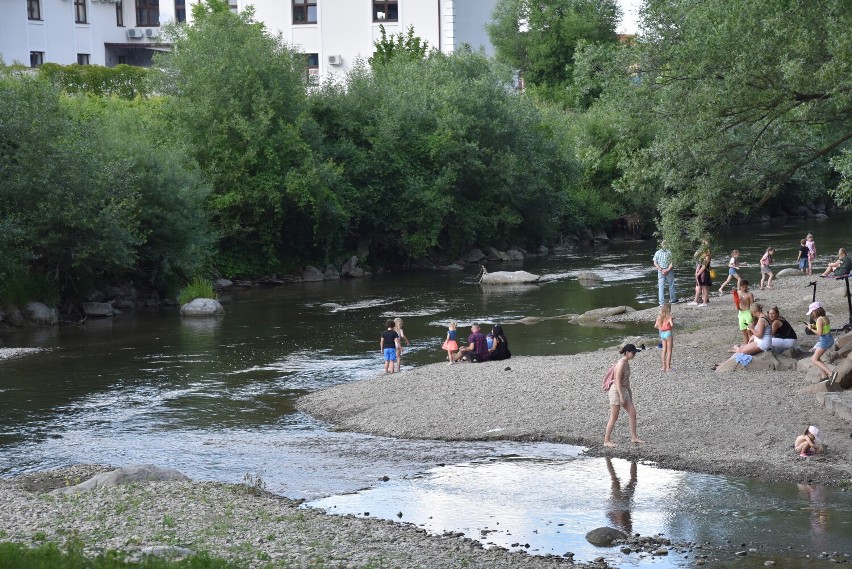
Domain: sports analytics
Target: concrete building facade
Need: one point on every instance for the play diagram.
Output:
(332, 33)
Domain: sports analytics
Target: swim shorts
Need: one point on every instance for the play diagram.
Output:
(390, 354)
(665, 334)
(744, 317)
(732, 272)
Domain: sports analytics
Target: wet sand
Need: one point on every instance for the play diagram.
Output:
(693, 418)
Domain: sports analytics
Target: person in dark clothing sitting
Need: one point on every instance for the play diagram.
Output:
(500, 349)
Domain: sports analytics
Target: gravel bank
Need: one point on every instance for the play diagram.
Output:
(693, 418)
(235, 522)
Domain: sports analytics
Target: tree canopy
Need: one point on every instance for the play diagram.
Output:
(540, 39)
(752, 99)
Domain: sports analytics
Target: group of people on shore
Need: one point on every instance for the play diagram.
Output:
(762, 330)
(480, 347)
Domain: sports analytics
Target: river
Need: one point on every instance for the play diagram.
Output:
(215, 399)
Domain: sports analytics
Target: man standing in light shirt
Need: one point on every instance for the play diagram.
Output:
(665, 273)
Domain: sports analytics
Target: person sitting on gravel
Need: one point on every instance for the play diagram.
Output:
(841, 267)
(500, 348)
(477, 348)
(808, 443)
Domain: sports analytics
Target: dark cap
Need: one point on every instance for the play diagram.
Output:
(629, 348)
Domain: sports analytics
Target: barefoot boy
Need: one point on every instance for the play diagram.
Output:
(744, 310)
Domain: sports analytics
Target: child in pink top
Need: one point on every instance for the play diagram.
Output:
(765, 271)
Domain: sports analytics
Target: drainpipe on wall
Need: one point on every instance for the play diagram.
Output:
(439, 26)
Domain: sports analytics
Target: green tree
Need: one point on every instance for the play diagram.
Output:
(239, 94)
(406, 46)
(176, 241)
(444, 155)
(540, 39)
(753, 100)
(68, 210)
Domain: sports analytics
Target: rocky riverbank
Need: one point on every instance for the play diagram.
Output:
(241, 523)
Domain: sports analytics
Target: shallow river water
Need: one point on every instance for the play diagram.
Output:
(215, 399)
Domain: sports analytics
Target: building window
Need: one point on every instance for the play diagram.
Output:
(180, 11)
(80, 12)
(147, 13)
(34, 9)
(304, 11)
(36, 58)
(119, 14)
(234, 8)
(82, 59)
(312, 68)
(387, 11)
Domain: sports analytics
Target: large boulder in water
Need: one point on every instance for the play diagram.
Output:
(788, 272)
(349, 266)
(589, 279)
(604, 536)
(598, 313)
(312, 274)
(202, 307)
(41, 314)
(508, 277)
(330, 273)
(97, 309)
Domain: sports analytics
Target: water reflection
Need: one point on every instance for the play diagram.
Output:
(551, 503)
(202, 326)
(621, 499)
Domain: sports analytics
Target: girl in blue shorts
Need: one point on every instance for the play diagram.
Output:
(664, 324)
(821, 326)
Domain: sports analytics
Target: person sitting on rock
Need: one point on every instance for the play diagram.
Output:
(783, 335)
(841, 267)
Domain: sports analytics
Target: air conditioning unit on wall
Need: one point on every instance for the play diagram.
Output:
(135, 33)
(335, 60)
(152, 32)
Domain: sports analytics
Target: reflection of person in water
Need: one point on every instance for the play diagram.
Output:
(815, 495)
(621, 499)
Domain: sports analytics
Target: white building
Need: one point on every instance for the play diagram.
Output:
(332, 33)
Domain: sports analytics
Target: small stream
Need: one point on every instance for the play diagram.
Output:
(216, 400)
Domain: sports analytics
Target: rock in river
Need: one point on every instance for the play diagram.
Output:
(604, 536)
